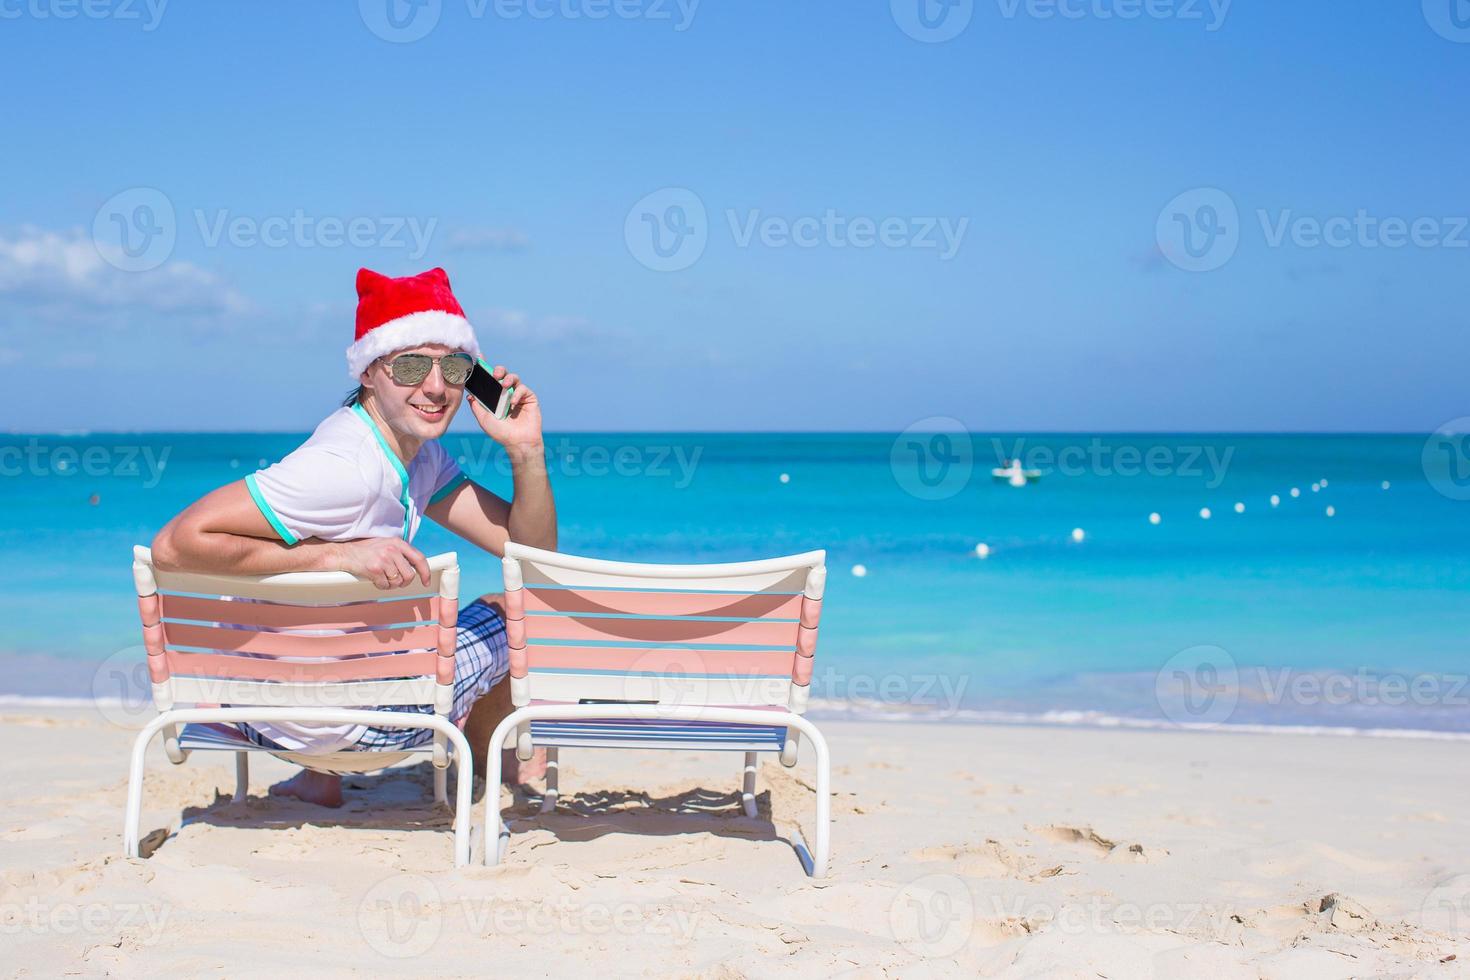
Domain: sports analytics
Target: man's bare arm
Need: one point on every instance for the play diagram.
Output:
(225, 532)
(484, 519)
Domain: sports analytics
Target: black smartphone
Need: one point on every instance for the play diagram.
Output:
(489, 392)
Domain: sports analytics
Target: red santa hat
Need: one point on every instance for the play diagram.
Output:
(396, 313)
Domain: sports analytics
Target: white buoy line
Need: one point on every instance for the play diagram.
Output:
(1155, 518)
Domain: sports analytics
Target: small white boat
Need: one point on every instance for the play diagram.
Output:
(1013, 474)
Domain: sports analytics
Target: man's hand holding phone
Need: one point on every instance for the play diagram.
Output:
(519, 425)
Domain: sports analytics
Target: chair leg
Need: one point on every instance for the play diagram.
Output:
(441, 785)
(494, 826)
(242, 776)
(747, 788)
(497, 834)
(553, 780)
(791, 749)
(824, 806)
(134, 812)
(463, 803)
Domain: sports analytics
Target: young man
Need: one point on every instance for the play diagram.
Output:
(351, 497)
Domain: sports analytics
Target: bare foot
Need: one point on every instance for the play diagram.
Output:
(311, 787)
(513, 771)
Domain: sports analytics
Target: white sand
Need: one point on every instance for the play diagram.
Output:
(957, 850)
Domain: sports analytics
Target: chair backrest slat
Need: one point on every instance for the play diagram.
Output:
(302, 617)
(668, 660)
(300, 644)
(544, 573)
(267, 669)
(707, 631)
(740, 605)
(296, 588)
(342, 694)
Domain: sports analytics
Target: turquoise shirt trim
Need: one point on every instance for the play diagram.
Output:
(392, 458)
(265, 509)
(455, 482)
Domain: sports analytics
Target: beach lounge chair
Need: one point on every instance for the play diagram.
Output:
(308, 647)
(607, 654)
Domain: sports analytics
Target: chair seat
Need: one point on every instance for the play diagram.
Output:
(220, 737)
(640, 733)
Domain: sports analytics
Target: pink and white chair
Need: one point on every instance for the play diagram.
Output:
(607, 654)
(304, 647)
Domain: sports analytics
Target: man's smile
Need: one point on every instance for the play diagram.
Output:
(429, 412)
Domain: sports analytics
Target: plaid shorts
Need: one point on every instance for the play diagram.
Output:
(481, 660)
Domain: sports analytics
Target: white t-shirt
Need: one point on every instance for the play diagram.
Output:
(341, 484)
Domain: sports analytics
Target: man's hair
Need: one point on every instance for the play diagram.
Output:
(354, 397)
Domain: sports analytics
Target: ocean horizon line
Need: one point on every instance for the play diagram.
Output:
(1046, 433)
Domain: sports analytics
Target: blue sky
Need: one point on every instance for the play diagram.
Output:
(1067, 151)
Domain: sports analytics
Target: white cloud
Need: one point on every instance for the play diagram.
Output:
(524, 327)
(61, 276)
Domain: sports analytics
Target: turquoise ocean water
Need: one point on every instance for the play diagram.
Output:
(1278, 615)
